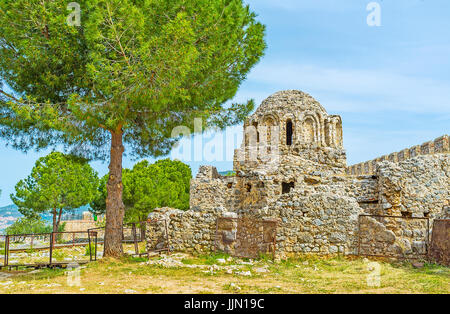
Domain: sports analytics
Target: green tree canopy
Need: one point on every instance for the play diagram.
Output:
(28, 225)
(148, 186)
(57, 183)
(98, 204)
(130, 73)
(162, 184)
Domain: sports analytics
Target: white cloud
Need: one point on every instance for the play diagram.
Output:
(356, 90)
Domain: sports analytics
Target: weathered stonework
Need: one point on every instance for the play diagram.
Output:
(292, 168)
(438, 146)
(417, 187)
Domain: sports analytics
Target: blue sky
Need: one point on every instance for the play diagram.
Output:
(390, 84)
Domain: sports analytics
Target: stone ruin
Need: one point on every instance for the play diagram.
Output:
(292, 189)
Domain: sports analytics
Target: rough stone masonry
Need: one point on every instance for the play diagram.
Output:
(291, 168)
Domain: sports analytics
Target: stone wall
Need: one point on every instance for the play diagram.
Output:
(387, 236)
(320, 212)
(412, 189)
(417, 187)
(188, 231)
(307, 188)
(321, 223)
(318, 215)
(439, 145)
(246, 236)
(87, 222)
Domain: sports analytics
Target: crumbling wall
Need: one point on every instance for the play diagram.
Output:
(414, 188)
(417, 187)
(187, 231)
(323, 223)
(439, 145)
(246, 236)
(395, 237)
(209, 190)
(306, 186)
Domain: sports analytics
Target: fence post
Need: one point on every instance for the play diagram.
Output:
(136, 247)
(6, 250)
(90, 251)
(95, 245)
(52, 237)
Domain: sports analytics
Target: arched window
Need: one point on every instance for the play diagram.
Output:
(255, 124)
(308, 130)
(328, 140)
(269, 124)
(289, 132)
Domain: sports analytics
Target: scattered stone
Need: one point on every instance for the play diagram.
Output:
(261, 270)
(50, 285)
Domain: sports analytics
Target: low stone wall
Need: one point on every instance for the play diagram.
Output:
(319, 223)
(394, 237)
(319, 214)
(246, 236)
(323, 223)
(188, 231)
(79, 225)
(439, 145)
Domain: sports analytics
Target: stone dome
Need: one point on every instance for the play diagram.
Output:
(290, 101)
(296, 119)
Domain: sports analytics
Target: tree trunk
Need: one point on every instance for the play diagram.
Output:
(115, 208)
(54, 220)
(59, 220)
(55, 226)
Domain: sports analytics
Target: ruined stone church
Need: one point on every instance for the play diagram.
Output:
(292, 192)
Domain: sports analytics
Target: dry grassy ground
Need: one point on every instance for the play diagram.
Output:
(180, 273)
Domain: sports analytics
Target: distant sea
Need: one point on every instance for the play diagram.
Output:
(10, 213)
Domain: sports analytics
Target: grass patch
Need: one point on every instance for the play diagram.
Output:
(304, 274)
(211, 259)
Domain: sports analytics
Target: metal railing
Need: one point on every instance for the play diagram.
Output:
(62, 248)
(132, 233)
(46, 249)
